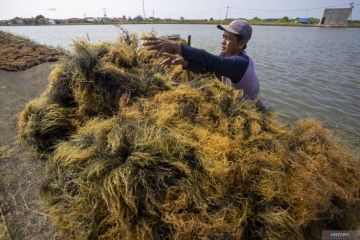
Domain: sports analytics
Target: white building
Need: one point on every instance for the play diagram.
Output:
(335, 16)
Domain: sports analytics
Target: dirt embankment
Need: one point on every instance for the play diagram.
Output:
(20, 178)
(19, 53)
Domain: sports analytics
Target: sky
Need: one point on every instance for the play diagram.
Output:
(189, 9)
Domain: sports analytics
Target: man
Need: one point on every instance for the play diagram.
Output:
(233, 67)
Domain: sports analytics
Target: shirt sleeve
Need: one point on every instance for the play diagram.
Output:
(233, 67)
(194, 67)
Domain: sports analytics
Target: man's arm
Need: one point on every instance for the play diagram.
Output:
(201, 61)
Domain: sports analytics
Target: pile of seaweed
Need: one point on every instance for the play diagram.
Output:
(20, 53)
(137, 152)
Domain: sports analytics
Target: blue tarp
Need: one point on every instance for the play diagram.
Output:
(304, 20)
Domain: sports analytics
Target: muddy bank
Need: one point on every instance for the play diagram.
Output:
(21, 175)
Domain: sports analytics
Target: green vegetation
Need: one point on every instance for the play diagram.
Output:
(354, 23)
(284, 21)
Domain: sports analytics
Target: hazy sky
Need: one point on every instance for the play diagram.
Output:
(169, 8)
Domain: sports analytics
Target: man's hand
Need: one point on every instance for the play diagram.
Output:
(163, 46)
(173, 59)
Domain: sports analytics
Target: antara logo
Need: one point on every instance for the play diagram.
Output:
(339, 234)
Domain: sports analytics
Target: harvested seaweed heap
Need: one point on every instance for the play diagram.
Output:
(135, 153)
(20, 53)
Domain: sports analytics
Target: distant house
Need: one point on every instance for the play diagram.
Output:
(50, 21)
(16, 20)
(90, 20)
(106, 20)
(304, 20)
(74, 20)
(103, 19)
(60, 21)
(335, 16)
(271, 19)
(29, 21)
(118, 20)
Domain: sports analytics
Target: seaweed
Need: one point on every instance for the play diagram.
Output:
(137, 152)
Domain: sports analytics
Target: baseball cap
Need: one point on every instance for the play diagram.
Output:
(240, 27)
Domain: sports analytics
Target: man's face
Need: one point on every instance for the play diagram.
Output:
(230, 46)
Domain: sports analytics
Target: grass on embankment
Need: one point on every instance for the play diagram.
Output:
(19, 53)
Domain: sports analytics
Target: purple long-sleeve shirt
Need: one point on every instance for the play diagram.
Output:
(237, 71)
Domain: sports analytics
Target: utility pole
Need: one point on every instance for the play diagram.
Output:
(306, 12)
(153, 12)
(227, 11)
(351, 8)
(143, 6)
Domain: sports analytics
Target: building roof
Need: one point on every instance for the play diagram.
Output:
(337, 10)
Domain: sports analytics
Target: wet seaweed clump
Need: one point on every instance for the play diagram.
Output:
(153, 155)
(91, 82)
(42, 125)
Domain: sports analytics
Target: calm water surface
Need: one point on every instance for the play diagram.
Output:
(304, 72)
